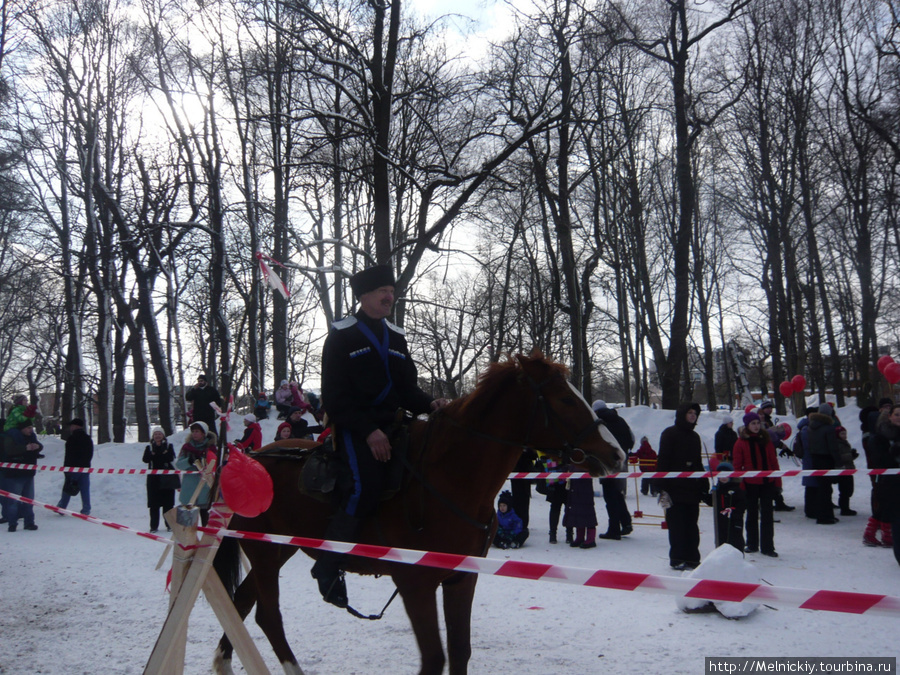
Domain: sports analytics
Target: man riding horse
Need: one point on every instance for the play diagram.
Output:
(367, 374)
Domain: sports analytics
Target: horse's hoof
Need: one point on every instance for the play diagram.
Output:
(221, 665)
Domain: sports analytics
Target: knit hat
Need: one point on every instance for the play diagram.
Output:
(766, 404)
(283, 425)
(284, 382)
(200, 425)
(598, 405)
(750, 417)
(505, 498)
(826, 409)
(203, 377)
(725, 466)
(21, 399)
(250, 418)
(155, 429)
(370, 279)
(885, 401)
(76, 421)
(25, 424)
(728, 419)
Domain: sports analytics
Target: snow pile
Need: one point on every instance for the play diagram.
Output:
(725, 563)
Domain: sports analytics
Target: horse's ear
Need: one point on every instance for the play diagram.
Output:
(537, 354)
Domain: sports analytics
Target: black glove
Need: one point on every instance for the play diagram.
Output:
(786, 452)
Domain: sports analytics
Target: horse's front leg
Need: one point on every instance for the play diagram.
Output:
(459, 592)
(419, 597)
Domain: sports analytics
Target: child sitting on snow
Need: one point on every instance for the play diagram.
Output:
(730, 505)
(510, 530)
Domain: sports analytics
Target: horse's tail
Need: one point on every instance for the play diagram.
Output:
(227, 564)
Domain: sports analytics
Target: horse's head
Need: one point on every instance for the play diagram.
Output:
(563, 422)
(528, 402)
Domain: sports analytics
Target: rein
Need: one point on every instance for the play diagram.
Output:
(569, 449)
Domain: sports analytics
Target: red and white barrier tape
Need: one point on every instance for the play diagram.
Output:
(528, 476)
(82, 469)
(706, 589)
(92, 519)
(728, 591)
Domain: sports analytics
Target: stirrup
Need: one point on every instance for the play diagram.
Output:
(332, 588)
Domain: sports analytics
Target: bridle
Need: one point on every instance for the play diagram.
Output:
(568, 451)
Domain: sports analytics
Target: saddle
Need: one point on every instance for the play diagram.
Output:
(324, 476)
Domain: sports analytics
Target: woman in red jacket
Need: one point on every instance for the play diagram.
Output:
(754, 451)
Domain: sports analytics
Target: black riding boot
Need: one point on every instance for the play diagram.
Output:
(327, 569)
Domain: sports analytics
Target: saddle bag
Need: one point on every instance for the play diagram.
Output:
(320, 472)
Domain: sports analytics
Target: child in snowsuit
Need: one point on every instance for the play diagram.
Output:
(555, 491)
(730, 505)
(510, 530)
(261, 409)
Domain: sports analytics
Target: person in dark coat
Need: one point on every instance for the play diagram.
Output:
(825, 454)
(554, 489)
(801, 452)
(367, 374)
(300, 428)
(580, 514)
(730, 505)
(21, 446)
(680, 450)
(521, 487)
(160, 489)
(79, 452)
(201, 395)
(885, 451)
(619, 519)
(754, 452)
(868, 418)
(725, 438)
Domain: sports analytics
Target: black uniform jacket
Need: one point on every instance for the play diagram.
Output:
(355, 391)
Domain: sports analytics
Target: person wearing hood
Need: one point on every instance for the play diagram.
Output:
(193, 458)
(725, 439)
(680, 450)
(252, 438)
(510, 529)
(619, 519)
(826, 454)
(754, 451)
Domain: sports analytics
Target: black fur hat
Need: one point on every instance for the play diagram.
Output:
(505, 498)
(372, 278)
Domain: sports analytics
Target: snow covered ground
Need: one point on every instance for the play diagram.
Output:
(82, 598)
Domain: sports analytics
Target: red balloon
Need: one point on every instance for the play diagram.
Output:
(246, 485)
(786, 389)
(884, 362)
(798, 382)
(787, 430)
(892, 373)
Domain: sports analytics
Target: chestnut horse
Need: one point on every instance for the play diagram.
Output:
(462, 455)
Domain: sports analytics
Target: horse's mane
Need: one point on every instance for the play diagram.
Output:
(499, 377)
